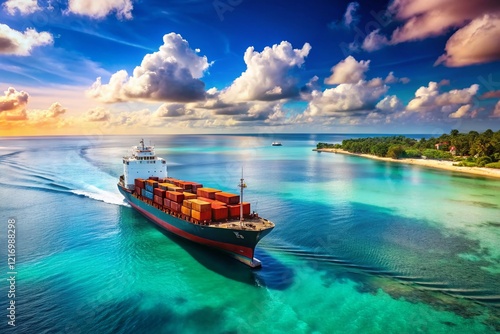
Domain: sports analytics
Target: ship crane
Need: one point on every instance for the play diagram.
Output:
(242, 186)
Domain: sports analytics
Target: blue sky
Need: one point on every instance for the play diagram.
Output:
(123, 66)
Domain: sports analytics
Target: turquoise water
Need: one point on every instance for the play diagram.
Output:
(360, 246)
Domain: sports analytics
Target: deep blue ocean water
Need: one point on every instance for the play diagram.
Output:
(360, 246)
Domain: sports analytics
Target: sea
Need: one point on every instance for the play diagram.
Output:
(360, 245)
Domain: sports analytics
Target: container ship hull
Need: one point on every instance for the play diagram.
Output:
(237, 242)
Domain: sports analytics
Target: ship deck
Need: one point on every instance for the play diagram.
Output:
(252, 224)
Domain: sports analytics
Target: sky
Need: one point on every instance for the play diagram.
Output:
(104, 67)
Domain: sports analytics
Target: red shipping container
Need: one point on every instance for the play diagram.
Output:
(176, 207)
(159, 192)
(201, 216)
(155, 178)
(246, 208)
(219, 212)
(207, 192)
(140, 183)
(185, 185)
(166, 203)
(175, 196)
(234, 210)
(158, 200)
(227, 198)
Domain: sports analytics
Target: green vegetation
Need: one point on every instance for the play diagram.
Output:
(468, 149)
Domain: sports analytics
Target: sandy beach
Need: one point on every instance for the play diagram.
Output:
(446, 165)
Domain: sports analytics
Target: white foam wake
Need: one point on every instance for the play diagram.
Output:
(101, 195)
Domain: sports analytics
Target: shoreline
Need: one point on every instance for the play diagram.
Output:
(436, 164)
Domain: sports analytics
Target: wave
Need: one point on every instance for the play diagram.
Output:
(101, 195)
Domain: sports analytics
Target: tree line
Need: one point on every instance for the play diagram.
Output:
(468, 149)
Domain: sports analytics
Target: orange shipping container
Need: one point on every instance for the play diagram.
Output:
(177, 189)
(189, 195)
(227, 198)
(175, 196)
(166, 203)
(207, 192)
(199, 205)
(140, 183)
(201, 216)
(246, 208)
(165, 185)
(187, 203)
(219, 212)
(186, 211)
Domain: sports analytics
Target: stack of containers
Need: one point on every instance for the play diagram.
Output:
(200, 210)
(176, 199)
(219, 209)
(150, 185)
(139, 185)
(227, 198)
(159, 195)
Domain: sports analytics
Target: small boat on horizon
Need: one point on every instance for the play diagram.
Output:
(276, 143)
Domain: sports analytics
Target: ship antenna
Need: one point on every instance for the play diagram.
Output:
(242, 185)
(142, 142)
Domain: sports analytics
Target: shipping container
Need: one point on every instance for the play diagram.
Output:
(199, 205)
(148, 194)
(219, 213)
(185, 185)
(165, 185)
(154, 178)
(186, 211)
(175, 196)
(153, 183)
(234, 210)
(166, 203)
(246, 208)
(158, 200)
(140, 183)
(207, 192)
(159, 192)
(143, 192)
(177, 189)
(187, 203)
(195, 186)
(227, 198)
(189, 195)
(176, 207)
(201, 216)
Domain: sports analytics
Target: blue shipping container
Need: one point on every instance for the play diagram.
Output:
(149, 195)
(149, 188)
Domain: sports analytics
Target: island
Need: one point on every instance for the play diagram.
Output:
(472, 152)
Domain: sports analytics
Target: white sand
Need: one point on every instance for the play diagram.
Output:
(446, 165)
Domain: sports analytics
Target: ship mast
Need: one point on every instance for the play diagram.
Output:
(242, 185)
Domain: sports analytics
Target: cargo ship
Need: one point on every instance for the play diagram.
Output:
(207, 216)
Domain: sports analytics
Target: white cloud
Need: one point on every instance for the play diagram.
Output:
(23, 7)
(346, 99)
(268, 75)
(374, 41)
(461, 111)
(98, 114)
(390, 104)
(170, 74)
(476, 43)
(349, 19)
(429, 99)
(102, 8)
(14, 42)
(348, 70)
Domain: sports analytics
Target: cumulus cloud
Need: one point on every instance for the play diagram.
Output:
(13, 42)
(390, 104)
(13, 100)
(476, 43)
(461, 111)
(98, 114)
(23, 7)
(171, 74)
(428, 98)
(346, 98)
(102, 8)
(476, 21)
(348, 70)
(268, 75)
